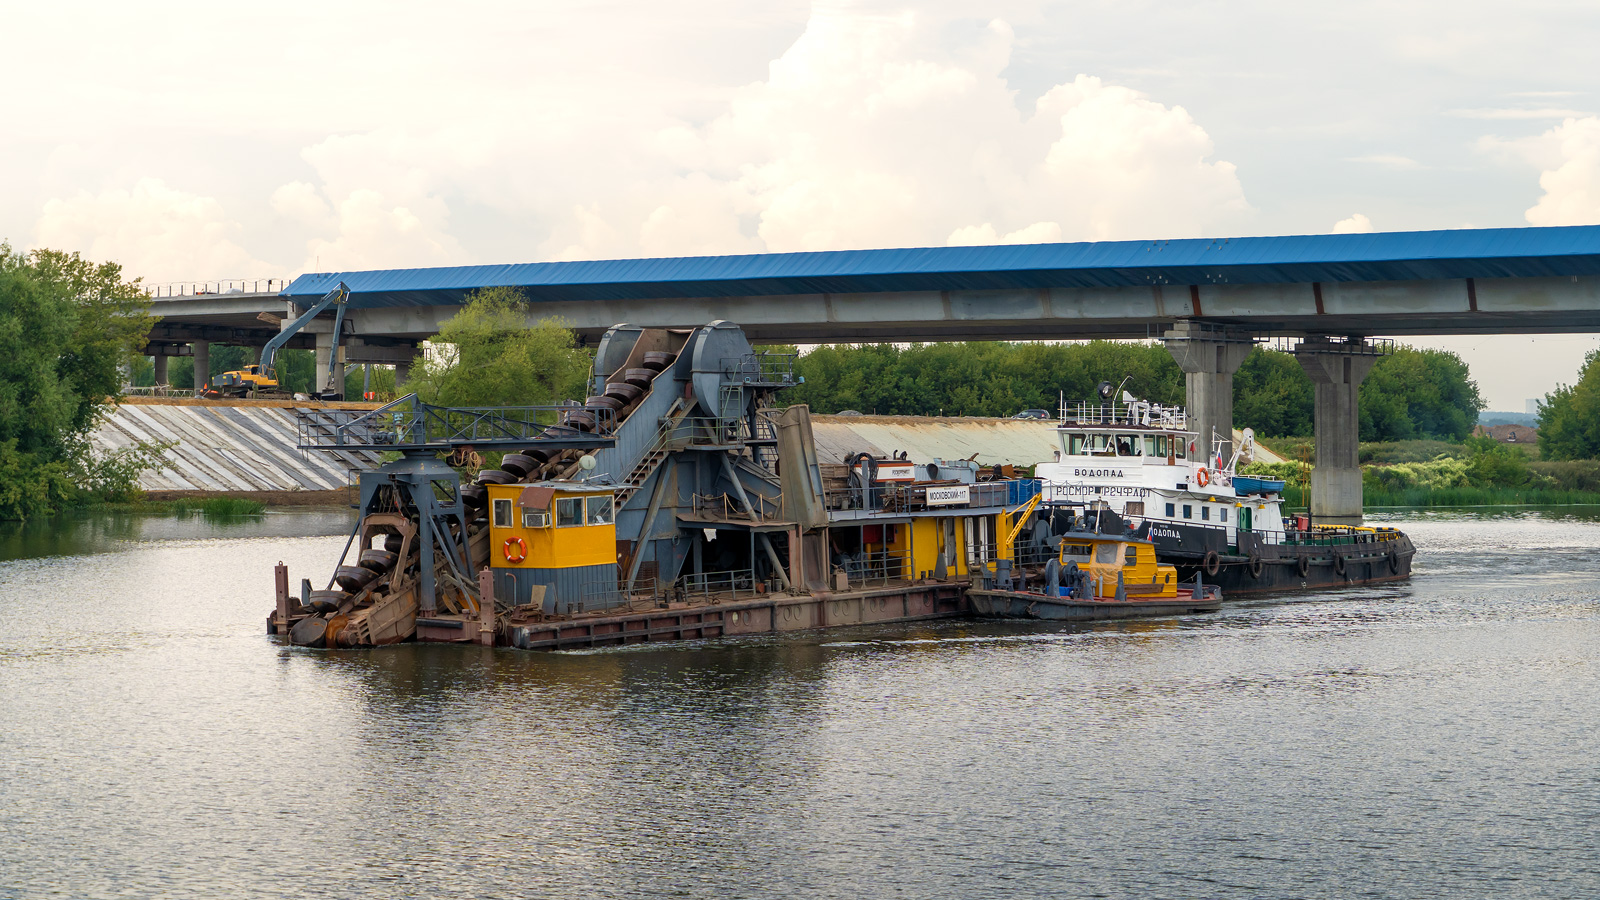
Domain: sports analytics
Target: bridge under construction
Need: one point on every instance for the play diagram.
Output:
(1208, 299)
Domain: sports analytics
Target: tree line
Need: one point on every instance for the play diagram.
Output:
(68, 329)
(1412, 393)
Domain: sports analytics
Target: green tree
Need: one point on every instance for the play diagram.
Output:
(1273, 395)
(1419, 394)
(1569, 420)
(979, 378)
(355, 378)
(68, 327)
(488, 355)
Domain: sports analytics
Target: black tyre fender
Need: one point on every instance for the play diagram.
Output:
(1212, 562)
(1339, 564)
(1394, 563)
(1302, 566)
(1256, 567)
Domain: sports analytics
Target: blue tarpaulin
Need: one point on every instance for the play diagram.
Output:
(1392, 256)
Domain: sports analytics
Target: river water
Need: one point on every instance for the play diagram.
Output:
(1434, 739)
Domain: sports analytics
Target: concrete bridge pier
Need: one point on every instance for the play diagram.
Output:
(202, 363)
(1209, 356)
(324, 351)
(160, 361)
(1337, 369)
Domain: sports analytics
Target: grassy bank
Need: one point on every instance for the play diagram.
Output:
(210, 507)
(1423, 498)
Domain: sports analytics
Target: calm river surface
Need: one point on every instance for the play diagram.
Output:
(1435, 739)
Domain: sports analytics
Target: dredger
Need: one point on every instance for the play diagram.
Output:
(679, 500)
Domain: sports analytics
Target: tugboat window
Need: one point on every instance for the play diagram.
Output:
(1172, 511)
(1127, 445)
(1188, 511)
(1075, 445)
(1223, 514)
(1105, 553)
(569, 511)
(1075, 550)
(1132, 558)
(1180, 449)
(1205, 513)
(1102, 446)
(502, 513)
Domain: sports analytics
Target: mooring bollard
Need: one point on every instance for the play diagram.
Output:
(486, 619)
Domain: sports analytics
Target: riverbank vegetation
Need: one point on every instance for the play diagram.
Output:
(1411, 394)
(68, 327)
(488, 355)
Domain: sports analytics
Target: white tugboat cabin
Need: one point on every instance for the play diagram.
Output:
(1142, 461)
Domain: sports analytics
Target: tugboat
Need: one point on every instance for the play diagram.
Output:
(1141, 461)
(1096, 576)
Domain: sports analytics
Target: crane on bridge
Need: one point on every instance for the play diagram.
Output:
(262, 378)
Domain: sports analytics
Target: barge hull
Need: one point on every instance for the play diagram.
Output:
(1019, 605)
(776, 613)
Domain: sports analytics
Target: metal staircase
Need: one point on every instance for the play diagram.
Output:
(653, 457)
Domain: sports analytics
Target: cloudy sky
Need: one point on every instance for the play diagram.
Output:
(193, 140)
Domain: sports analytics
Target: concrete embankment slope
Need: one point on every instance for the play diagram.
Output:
(1020, 442)
(249, 445)
(228, 445)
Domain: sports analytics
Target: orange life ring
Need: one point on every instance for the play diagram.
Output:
(514, 549)
(1203, 477)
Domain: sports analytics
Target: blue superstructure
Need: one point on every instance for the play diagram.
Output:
(1302, 259)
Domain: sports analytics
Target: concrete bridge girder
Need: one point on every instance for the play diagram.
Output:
(1455, 306)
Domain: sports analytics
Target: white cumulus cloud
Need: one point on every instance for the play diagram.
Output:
(153, 230)
(1570, 157)
(1356, 224)
(897, 128)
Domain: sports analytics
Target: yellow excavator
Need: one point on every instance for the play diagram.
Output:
(261, 379)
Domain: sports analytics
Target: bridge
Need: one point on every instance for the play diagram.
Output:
(1209, 299)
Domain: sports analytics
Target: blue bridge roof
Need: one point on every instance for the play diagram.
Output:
(1390, 256)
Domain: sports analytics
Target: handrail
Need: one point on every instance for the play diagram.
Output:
(408, 423)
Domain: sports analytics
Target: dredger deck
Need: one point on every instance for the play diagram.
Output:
(678, 501)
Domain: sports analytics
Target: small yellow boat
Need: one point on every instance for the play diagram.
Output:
(1096, 576)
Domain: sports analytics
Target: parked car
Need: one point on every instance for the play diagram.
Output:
(1032, 414)
(848, 412)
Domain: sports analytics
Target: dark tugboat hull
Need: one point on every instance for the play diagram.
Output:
(1280, 568)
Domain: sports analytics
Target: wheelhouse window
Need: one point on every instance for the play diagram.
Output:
(569, 512)
(1132, 556)
(1205, 513)
(599, 510)
(502, 513)
(1127, 445)
(1223, 514)
(1180, 449)
(1069, 549)
(1105, 553)
(1076, 445)
(1172, 511)
(1188, 511)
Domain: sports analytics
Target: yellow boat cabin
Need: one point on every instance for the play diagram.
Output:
(1109, 567)
(553, 544)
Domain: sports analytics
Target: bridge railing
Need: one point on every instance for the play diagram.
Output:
(214, 288)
